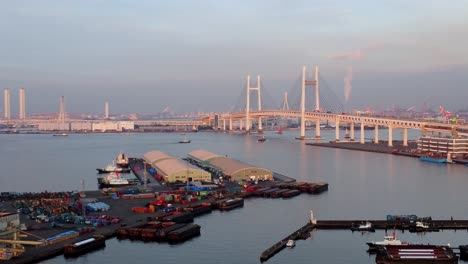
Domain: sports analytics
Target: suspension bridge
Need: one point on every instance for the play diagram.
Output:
(325, 107)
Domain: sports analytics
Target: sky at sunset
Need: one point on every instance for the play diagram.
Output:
(192, 56)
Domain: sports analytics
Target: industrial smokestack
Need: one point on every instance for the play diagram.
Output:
(6, 97)
(62, 109)
(22, 110)
(106, 113)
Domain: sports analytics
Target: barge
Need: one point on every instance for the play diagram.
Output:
(178, 218)
(415, 254)
(290, 193)
(199, 209)
(318, 188)
(84, 246)
(162, 233)
(184, 233)
(231, 204)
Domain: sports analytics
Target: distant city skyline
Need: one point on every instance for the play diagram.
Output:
(193, 56)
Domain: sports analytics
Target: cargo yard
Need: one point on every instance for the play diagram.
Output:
(42, 225)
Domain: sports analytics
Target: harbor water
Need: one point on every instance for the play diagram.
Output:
(363, 185)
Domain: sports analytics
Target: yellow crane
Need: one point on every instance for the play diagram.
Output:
(17, 247)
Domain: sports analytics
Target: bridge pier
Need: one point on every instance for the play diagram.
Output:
(351, 126)
(230, 124)
(337, 130)
(224, 124)
(376, 134)
(317, 128)
(260, 126)
(390, 136)
(405, 137)
(362, 133)
(241, 125)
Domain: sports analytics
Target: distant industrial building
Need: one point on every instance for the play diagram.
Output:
(88, 126)
(174, 169)
(234, 169)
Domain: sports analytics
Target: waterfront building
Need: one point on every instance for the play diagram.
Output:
(234, 169)
(454, 146)
(173, 169)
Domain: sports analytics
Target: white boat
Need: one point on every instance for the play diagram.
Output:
(185, 140)
(388, 240)
(363, 227)
(422, 225)
(61, 135)
(291, 243)
(112, 168)
(121, 160)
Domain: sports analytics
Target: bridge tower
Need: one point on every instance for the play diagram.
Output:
(317, 101)
(285, 102)
(248, 124)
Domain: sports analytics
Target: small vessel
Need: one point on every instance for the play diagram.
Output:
(112, 168)
(388, 240)
(60, 135)
(433, 157)
(367, 227)
(291, 243)
(81, 247)
(121, 160)
(113, 179)
(262, 139)
(185, 141)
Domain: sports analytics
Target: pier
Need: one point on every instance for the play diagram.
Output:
(303, 232)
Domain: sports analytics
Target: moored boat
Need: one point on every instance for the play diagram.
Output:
(112, 168)
(291, 243)
(81, 247)
(367, 227)
(184, 233)
(262, 139)
(121, 160)
(388, 240)
(231, 204)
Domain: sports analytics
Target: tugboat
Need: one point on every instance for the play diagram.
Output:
(121, 160)
(112, 168)
(367, 227)
(388, 240)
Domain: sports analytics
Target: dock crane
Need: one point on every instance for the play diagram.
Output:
(17, 247)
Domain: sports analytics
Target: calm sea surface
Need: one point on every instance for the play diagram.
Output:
(362, 185)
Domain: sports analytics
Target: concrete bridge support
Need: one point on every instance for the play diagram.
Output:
(260, 126)
(224, 124)
(230, 124)
(317, 128)
(241, 124)
(376, 135)
(303, 103)
(337, 130)
(362, 133)
(351, 126)
(405, 137)
(390, 136)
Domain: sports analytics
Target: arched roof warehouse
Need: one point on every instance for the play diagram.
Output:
(202, 155)
(174, 169)
(235, 169)
(155, 156)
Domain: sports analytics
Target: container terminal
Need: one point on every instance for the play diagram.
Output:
(164, 208)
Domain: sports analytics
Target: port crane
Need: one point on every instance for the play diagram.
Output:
(17, 247)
